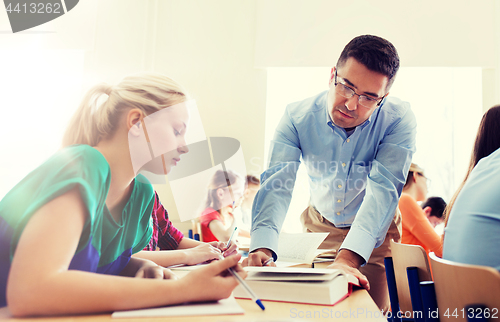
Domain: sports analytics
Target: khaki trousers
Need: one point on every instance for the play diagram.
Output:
(374, 270)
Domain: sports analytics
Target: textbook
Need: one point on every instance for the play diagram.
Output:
(298, 285)
(226, 306)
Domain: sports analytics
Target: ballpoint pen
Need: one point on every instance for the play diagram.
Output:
(246, 287)
(231, 238)
(268, 261)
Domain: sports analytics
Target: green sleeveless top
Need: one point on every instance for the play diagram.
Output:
(105, 245)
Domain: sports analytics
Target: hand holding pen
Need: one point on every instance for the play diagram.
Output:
(213, 281)
(269, 262)
(247, 288)
(231, 247)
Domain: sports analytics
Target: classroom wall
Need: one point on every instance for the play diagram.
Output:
(208, 46)
(219, 49)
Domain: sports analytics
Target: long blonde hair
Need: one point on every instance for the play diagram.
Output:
(414, 168)
(149, 92)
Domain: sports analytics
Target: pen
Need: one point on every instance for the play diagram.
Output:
(246, 287)
(231, 238)
(268, 261)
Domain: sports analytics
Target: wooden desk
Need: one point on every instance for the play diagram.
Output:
(357, 307)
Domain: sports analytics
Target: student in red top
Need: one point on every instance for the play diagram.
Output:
(168, 246)
(225, 191)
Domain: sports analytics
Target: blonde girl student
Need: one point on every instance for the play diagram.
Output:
(69, 228)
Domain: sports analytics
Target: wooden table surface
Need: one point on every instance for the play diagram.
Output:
(357, 307)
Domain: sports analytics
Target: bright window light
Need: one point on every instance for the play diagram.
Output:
(41, 90)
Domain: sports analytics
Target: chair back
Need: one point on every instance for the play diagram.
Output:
(405, 256)
(461, 285)
(197, 229)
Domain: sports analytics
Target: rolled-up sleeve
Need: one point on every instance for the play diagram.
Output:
(273, 198)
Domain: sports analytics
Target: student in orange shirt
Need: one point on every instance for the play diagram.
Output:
(417, 229)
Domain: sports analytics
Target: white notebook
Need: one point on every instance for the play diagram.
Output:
(222, 307)
(301, 248)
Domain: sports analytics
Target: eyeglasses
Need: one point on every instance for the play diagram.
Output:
(427, 180)
(344, 90)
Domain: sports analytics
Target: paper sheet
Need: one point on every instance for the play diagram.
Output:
(299, 248)
(227, 306)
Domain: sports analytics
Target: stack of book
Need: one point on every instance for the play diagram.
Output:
(300, 285)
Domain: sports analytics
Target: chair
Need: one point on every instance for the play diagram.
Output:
(411, 266)
(462, 289)
(196, 227)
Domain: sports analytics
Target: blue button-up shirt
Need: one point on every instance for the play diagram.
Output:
(355, 180)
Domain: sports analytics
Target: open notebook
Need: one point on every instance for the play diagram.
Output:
(227, 306)
(302, 248)
(300, 285)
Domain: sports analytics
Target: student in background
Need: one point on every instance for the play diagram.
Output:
(84, 211)
(417, 230)
(243, 214)
(487, 141)
(434, 210)
(472, 232)
(225, 191)
(168, 246)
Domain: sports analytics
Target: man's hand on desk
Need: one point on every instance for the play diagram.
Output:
(349, 262)
(258, 257)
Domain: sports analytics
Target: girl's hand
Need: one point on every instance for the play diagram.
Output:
(151, 270)
(213, 282)
(201, 253)
(232, 250)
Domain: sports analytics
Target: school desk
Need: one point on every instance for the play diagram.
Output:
(357, 307)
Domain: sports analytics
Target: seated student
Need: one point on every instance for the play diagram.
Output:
(217, 220)
(417, 230)
(84, 211)
(173, 248)
(472, 232)
(243, 213)
(434, 209)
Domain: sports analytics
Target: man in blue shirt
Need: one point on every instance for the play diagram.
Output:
(357, 145)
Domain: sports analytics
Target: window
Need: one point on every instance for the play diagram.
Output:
(40, 91)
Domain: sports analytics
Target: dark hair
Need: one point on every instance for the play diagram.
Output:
(437, 205)
(252, 180)
(375, 53)
(487, 142)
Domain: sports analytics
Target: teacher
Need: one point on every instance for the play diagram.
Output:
(357, 144)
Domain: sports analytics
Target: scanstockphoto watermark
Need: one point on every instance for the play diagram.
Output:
(363, 314)
(315, 167)
(330, 313)
(322, 175)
